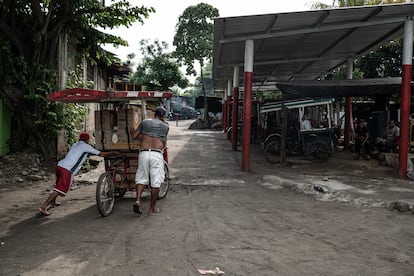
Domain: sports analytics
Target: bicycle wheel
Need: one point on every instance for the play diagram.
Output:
(272, 152)
(166, 185)
(318, 151)
(275, 137)
(239, 137)
(229, 133)
(105, 194)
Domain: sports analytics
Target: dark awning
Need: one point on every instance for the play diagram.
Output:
(213, 103)
(340, 88)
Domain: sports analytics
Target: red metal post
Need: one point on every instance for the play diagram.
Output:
(247, 120)
(235, 118)
(228, 112)
(223, 116)
(235, 110)
(405, 101)
(247, 103)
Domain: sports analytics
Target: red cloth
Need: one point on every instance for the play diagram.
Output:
(63, 180)
(84, 136)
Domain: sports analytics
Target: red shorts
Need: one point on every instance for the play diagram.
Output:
(64, 180)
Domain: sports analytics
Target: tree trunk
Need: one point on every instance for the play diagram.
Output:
(25, 132)
(203, 88)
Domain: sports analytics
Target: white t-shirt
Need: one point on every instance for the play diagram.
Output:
(76, 156)
(306, 124)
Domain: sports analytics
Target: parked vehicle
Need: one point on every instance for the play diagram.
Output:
(315, 143)
(184, 114)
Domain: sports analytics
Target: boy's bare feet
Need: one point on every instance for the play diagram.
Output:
(43, 212)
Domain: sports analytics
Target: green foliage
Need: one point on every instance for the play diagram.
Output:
(30, 32)
(158, 69)
(382, 63)
(74, 113)
(194, 35)
(37, 82)
(191, 92)
(269, 95)
(75, 79)
(340, 73)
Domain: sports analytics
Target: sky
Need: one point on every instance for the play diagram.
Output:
(161, 24)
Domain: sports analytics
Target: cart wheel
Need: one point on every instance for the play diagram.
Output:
(105, 194)
(272, 152)
(318, 151)
(166, 185)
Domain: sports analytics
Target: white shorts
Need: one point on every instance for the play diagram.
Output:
(150, 169)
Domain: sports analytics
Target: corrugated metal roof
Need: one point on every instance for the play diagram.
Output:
(302, 45)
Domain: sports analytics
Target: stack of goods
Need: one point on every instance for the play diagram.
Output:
(112, 129)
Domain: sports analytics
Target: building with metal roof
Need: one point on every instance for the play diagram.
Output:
(299, 46)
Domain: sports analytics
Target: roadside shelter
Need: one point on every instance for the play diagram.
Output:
(299, 46)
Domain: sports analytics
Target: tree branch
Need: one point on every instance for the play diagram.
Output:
(37, 13)
(11, 35)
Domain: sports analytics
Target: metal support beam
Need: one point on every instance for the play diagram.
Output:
(235, 112)
(405, 101)
(247, 103)
(348, 104)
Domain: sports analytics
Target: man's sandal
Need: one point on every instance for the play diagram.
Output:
(137, 207)
(155, 211)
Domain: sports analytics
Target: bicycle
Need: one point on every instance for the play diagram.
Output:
(310, 143)
(239, 136)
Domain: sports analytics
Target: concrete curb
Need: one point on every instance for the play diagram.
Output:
(326, 193)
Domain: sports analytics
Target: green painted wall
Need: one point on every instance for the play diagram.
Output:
(4, 129)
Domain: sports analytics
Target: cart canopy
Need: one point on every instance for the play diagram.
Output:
(84, 95)
(340, 88)
(276, 106)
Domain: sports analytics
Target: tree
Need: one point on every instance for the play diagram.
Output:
(206, 80)
(30, 32)
(194, 39)
(158, 69)
(382, 63)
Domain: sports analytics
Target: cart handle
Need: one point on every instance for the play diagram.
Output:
(115, 157)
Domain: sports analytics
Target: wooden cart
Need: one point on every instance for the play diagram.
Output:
(118, 112)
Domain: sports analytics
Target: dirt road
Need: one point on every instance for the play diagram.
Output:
(214, 216)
